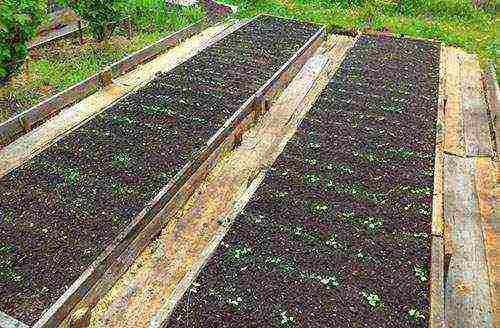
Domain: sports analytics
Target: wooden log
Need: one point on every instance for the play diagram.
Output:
(454, 142)
(493, 98)
(467, 289)
(475, 115)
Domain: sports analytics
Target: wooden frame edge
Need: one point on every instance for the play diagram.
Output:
(6, 321)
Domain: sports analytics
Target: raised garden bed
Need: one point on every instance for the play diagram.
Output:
(75, 206)
(339, 234)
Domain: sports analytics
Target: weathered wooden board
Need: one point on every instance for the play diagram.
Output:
(484, 174)
(475, 115)
(27, 120)
(437, 304)
(467, 289)
(454, 142)
(437, 200)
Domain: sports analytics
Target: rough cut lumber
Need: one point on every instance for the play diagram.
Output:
(437, 200)
(437, 307)
(475, 115)
(156, 274)
(454, 142)
(488, 204)
(467, 288)
(7, 321)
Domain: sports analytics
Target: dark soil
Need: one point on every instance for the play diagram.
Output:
(60, 209)
(338, 234)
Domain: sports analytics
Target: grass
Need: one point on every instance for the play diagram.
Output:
(454, 22)
(59, 66)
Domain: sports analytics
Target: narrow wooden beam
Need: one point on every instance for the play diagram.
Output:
(475, 115)
(467, 289)
(7, 321)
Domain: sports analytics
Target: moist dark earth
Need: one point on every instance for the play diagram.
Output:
(63, 207)
(338, 234)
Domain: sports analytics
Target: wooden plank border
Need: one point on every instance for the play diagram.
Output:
(492, 91)
(7, 321)
(36, 115)
(171, 198)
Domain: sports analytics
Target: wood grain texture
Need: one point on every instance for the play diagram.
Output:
(437, 303)
(467, 288)
(454, 139)
(475, 115)
(7, 321)
(437, 199)
(484, 174)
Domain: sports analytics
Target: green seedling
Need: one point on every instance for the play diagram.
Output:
(286, 319)
(123, 120)
(373, 299)
(373, 223)
(421, 272)
(403, 153)
(312, 178)
(318, 206)
(71, 175)
(415, 315)
(157, 110)
(121, 159)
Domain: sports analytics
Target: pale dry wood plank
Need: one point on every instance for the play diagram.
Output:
(179, 246)
(467, 289)
(437, 308)
(7, 321)
(476, 119)
(454, 142)
(437, 200)
(485, 186)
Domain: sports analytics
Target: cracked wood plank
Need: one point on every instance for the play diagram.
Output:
(467, 288)
(475, 115)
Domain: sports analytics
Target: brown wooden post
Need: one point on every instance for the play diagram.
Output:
(129, 27)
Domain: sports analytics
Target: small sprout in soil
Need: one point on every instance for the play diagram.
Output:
(6, 248)
(373, 223)
(199, 120)
(353, 189)
(420, 272)
(415, 315)
(120, 159)
(157, 110)
(333, 242)
(234, 304)
(311, 161)
(71, 175)
(403, 153)
(373, 299)
(6, 216)
(341, 167)
(318, 206)
(286, 319)
(238, 252)
(312, 178)
(123, 120)
(392, 109)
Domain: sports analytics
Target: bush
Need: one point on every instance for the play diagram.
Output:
(98, 14)
(19, 22)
